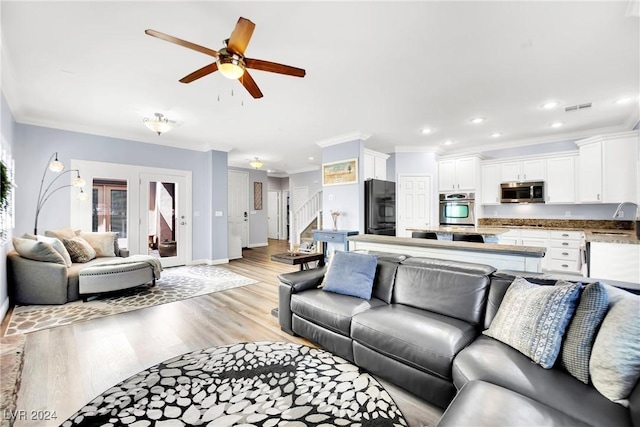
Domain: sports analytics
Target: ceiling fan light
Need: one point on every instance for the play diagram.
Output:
(159, 125)
(231, 67)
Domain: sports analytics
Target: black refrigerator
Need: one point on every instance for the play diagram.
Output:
(380, 207)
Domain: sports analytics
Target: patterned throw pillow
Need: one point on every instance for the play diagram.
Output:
(615, 359)
(532, 319)
(79, 249)
(578, 342)
(351, 274)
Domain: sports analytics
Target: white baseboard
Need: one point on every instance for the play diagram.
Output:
(4, 308)
(257, 245)
(209, 261)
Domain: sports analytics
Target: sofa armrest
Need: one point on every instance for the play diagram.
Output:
(36, 282)
(123, 253)
(292, 283)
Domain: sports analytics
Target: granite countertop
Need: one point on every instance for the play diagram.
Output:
(460, 229)
(528, 251)
(603, 231)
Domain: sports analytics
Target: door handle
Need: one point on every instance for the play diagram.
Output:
(183, 223)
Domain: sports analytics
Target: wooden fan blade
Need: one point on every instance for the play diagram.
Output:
(204, 71)
(240, 36)
(181, 42)
(249, 84)
(272, 67)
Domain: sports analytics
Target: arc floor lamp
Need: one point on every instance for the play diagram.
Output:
(54, 165)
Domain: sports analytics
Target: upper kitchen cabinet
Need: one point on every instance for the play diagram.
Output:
(375, 165)
(607, 168)
(490, 194)
(458, 174)
(525, 170)
(561, 180)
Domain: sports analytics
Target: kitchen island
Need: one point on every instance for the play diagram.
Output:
(503, 257)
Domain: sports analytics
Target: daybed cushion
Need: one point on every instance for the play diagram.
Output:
(482, 404)
(102, 242)
(425, 340)
(490, 360)
(37, 251)
(330, 310)
(533, 318)
(615, 359)
(351, 273)
(58, 246)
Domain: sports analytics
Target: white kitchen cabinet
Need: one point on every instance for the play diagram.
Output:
(565, 251)
(375, 165)
(560, 184)
(607, 168)
(490, 187)
(614, 261)
(458, 174)
(524, 170)
(537, 238)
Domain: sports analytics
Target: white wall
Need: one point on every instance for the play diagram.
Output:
(7, 129)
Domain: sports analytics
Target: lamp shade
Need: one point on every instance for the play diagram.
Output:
(78, 182)
(56, 165)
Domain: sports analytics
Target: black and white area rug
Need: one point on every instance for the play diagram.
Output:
(175, 284)
(250, 384)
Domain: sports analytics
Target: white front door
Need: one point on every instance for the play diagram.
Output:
(239, 205)
(164, 217)
(414, 203)
(273, 214)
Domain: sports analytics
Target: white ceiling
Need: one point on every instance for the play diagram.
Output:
(386, 69)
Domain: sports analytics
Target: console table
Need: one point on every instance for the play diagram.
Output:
(333, 236)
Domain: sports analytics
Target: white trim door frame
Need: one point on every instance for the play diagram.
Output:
(81, 211)
(238, 205)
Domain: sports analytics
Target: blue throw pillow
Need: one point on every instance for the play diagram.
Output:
(532, 319)
(351, 273)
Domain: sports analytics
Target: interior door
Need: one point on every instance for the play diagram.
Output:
(273, 214)
(239, 205)
(164, 218)
(414, 203)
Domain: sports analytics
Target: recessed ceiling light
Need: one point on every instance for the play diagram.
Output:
(477, 120)
(623, 100)
(549, 105)
(311, 158)
(448, 142)
(556, 124)
(496, 134)
(426, 131)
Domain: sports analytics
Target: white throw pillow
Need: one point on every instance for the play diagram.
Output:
(58, 246)
(102, 242)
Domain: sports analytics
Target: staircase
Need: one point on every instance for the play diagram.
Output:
(306, 218)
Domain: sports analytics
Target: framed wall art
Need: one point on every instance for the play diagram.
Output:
(341, 172)
(257, 196)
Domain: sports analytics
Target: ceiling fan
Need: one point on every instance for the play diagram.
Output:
(230, 60)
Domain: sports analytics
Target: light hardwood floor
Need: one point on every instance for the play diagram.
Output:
(66, 367)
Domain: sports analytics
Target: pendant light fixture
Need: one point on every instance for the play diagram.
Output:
(160, 124)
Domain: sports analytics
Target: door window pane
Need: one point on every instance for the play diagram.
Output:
(162, 219)
(109, 211)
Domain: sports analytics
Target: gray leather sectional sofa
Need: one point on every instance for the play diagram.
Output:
(422, 330)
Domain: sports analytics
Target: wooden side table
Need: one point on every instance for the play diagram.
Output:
(302, 259)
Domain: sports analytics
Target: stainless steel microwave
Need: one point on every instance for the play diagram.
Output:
(522, 192)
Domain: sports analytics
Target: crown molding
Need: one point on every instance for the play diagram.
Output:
(340, 139)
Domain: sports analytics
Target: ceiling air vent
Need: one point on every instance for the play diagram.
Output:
(577, 107)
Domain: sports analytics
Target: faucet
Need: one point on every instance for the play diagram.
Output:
(619, 208)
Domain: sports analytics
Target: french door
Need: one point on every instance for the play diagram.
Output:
(238, 205)
(164, 218)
